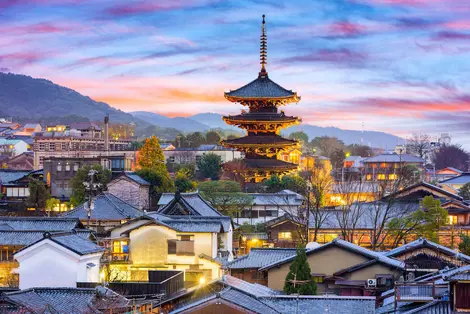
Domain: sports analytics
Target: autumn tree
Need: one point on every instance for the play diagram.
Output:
(38, 194)
(51, 204)
(212, 137)
(210, 166)
(226, 196)
(328, 145)
(299, 279)
(464, 191)
(151, 154)
(103, 176)
(419, 145)
(360, 150)
(451, 156)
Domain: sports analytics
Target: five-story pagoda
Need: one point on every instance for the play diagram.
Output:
(263, 123)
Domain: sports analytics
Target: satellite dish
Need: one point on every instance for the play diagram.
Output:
(312, 245)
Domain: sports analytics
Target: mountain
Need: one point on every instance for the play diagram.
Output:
(371, 138)
(180, 123)
(26, 97)
(214, 120)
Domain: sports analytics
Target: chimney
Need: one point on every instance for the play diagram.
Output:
(106, 133)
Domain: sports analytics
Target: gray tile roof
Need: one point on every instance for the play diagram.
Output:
(193, 223)
(253, 289)
(191, 202)
(282, 198)
(321, 304)
(258, 258)
(136, 178)
(434, 307)
(39, 223)
(23, 238)
(64, 300)
(8, 176)
(248, 302)
(262, 87)
(461, 179)
(393, 158)
(421, 243)
(106, 207)
(373, 256)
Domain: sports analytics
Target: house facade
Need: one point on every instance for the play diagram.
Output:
(386, 167)
(132, 189)
(192, 155)
(187, 234)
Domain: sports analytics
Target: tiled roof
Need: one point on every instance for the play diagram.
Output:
(321, 304)
(434, 307)
(430, 187)
(261, 116)
(262, 87)
(136, 178)
(258, 258)
(76, 243)
(379, 257)
(248, 302)
(106, 207)
(65, 300)
(256, 163)
(421, 243)
(23, 238)
(191, 202)
(261, 139)
(8, 176)
(39, 223)
(461, 179)
(393, 158)
(193, 223)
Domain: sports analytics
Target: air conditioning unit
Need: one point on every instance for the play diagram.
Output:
(371, 282)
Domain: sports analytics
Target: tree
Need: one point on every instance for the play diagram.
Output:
(464, 191)
(464, 245)
(300, 136)
(360, 150)
(226, 196)
(183, 183)
(195, 139)
(451, 156)
(210, 166)
(51, 204)
(320, 184)
(432, 217)
(337, 158)
(151, 155)
(38, 194)
(78, 196)
(327, 145)
(159, 179)
(273, 184)
(294, 183)
(299, 279)
(419, 145)
(212, 137)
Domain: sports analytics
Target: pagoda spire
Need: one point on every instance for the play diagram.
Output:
(263, 49)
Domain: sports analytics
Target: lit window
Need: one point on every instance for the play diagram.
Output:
(120, 247)
(368, 177)
(285, 235)
(392, 176)
(383, 165)
(59, 167)
(381, 176)
(67, 167)
(318, 279)
(451, 219)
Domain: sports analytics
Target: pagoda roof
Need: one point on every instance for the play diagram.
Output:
(261, 116)
(261, 140)
(261, 88)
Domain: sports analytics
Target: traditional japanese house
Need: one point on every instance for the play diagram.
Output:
(262, 145)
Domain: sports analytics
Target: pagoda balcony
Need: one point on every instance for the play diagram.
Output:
(271, 140)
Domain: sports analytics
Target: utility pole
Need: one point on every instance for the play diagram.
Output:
(91, 187)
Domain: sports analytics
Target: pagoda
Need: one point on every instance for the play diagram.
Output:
(263, 123)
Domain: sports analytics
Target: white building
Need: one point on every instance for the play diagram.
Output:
(12, 147)
(192, 155)
(59, 260)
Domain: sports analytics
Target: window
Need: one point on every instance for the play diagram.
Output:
(120, 246)
(171, 159)
(42, 146)
(67, 167)
(368, 177)
(286, 235)
(383, 165)
(185, 237)
(59, 167)
(452, 219)
(172, 246)
(64, 146)
(392, 176)
(75, 167)
(381, 176)
(318, 279)
(6, 254)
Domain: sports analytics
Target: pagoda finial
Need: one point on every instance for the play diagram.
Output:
(263, 49)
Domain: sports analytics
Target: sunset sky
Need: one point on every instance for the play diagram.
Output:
(399, 66)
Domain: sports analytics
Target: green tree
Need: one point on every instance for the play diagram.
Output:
(210, 166)
(300, 136)
(432, 217)
(183, 183)
(226, 196)
(51, 204)
(212, 137)
(464, 191)
(78, 196)
(299, 279)
(38, 194)
(195, 139)
(273, 184)
(151, 154)
(159, 179)
(464, 245)
(294, 183)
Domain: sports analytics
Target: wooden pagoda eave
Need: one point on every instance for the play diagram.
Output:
(229, 120)
(285, 99)
(273, 145)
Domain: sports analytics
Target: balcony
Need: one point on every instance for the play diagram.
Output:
(418, 291)
(118, 258)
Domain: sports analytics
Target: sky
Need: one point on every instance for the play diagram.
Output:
(398, 66)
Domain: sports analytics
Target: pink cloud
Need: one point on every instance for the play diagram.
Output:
(346, 28)
(143, 7)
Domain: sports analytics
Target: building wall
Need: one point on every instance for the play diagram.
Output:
(371, 271)
(190, 156)
(49, 266)
(327, 261)
(130, 192)
(148, 245)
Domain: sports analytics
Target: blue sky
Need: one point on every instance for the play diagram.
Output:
(399, 66)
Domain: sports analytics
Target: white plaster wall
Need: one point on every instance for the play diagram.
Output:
(116, 232)
(148, 245)
(89, 274)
